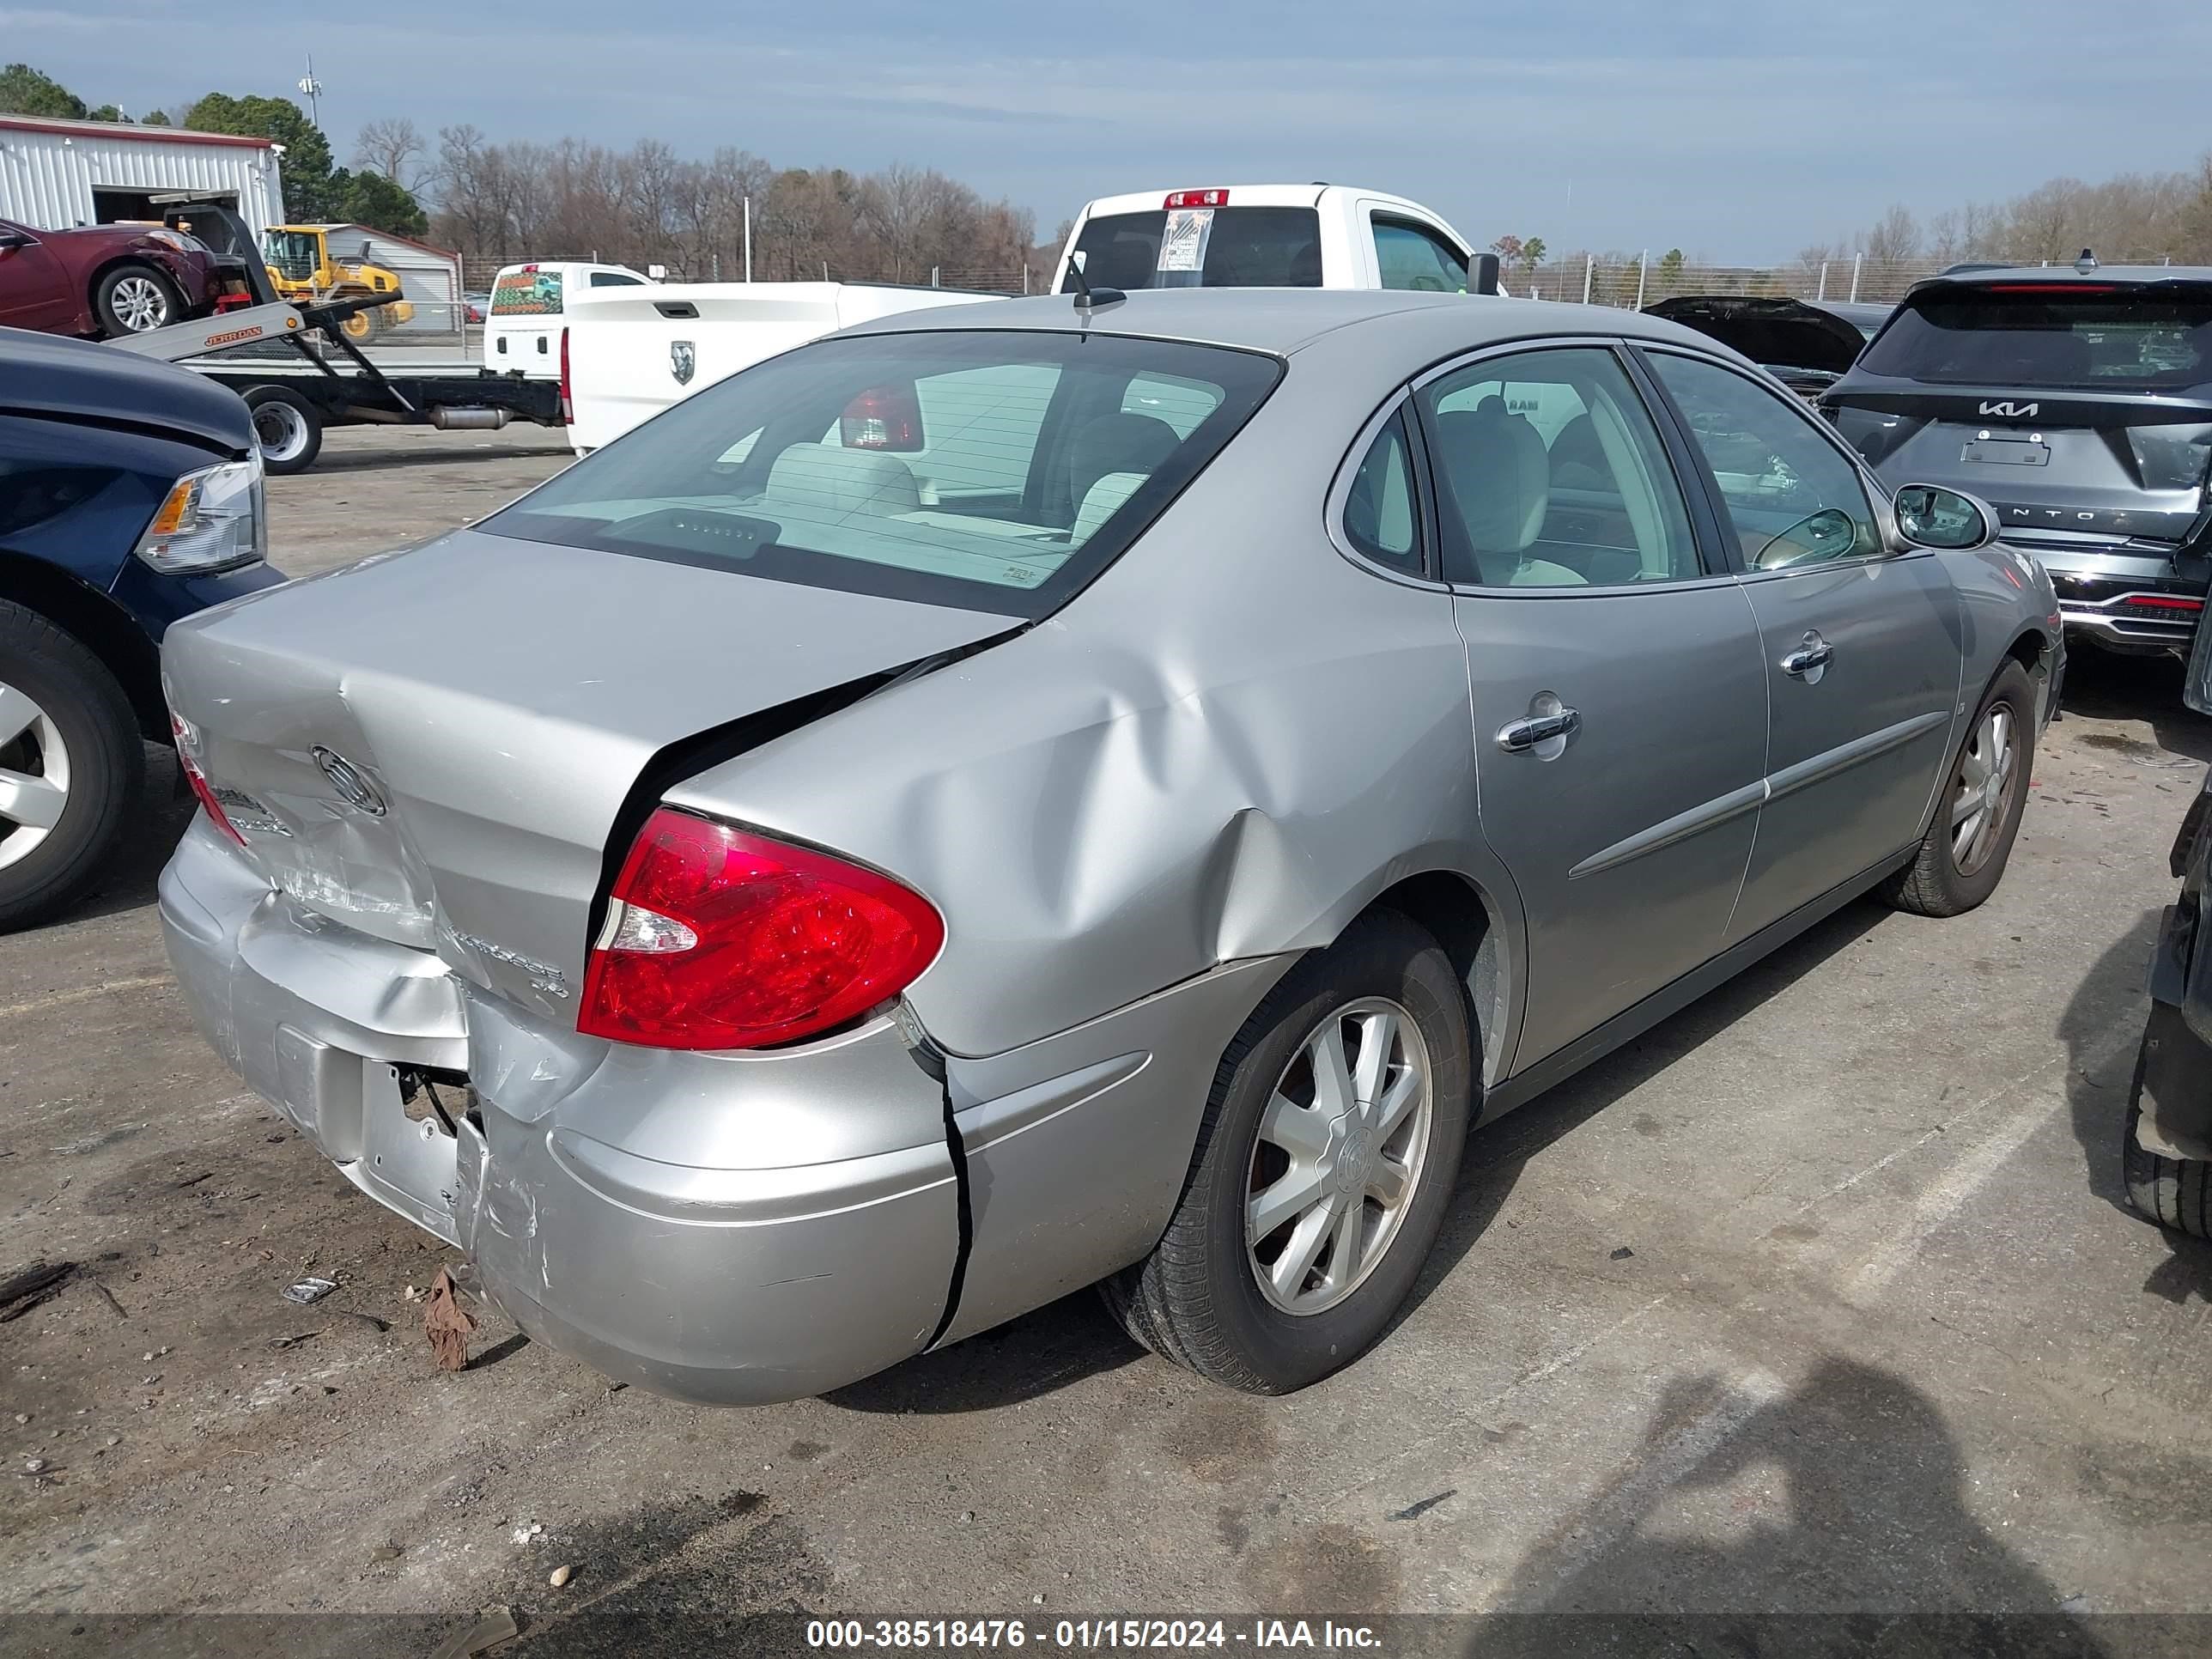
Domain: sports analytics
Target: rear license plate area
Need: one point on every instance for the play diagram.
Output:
(2007, 452)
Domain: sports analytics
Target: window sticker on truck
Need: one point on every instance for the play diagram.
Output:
(1182, 241)
(526, 293)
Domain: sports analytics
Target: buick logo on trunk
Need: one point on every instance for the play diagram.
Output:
(354, 789)
(683, 360)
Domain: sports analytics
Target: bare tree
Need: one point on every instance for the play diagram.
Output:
(1894, 239)
(395, 147)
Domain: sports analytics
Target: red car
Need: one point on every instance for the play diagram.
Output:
(106, 280)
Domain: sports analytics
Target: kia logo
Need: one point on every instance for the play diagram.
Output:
(2012, 411)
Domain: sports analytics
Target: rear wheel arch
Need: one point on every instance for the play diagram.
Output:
(2030, 649)
(1472, 927)
(102, 626)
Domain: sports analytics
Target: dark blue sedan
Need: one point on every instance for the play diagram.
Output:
(131, 495)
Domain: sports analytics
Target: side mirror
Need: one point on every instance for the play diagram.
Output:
(15, 238)
(1946, 519)
(1485, 273)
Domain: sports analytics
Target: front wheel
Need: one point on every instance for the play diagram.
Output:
(1962, 858)
(132, 298)
(71, 765)
(1325, 1163)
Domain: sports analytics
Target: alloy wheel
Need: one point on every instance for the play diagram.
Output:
(139, 304)
(34, 774)
(1338, 1157)
(1984, 790)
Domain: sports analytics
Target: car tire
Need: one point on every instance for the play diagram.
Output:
(1960, 863)
(79, 727)
(287, 429)
(1198, 1299)
(133, 298)
(2174, 1192)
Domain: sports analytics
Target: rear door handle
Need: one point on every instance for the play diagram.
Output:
(1813, 652)
(1519, 737)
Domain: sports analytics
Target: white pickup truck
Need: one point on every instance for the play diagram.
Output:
(1317, 235)
(632, 351)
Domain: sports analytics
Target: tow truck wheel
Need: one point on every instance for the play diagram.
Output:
(287, 428)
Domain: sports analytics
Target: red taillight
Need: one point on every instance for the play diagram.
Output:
(196, 781)
(717, 938)
(1196, 198)
(2160, 602)
(568, 398)
(887, 417)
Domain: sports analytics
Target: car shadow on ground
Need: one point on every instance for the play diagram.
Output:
(134, 870)
(2102, 1024)
(1830, 1517)
(1075, 1338)
(2103, 685)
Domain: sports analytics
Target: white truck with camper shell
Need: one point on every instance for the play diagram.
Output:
(629, 352)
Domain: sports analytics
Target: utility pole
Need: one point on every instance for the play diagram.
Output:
(313, 88)
(749, 239)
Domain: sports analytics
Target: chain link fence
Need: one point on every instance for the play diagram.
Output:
(1613, 280)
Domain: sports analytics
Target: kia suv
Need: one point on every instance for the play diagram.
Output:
(2078, 402)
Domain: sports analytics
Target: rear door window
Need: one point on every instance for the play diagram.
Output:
(1215, 247)
(1550, 474)
(2051, 334)
(614, 279)
(527, 294)
(992, 470)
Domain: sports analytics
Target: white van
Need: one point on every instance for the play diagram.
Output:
(1313, 235)
(529, 308)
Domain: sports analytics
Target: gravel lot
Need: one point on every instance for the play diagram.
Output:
(1885, 1341)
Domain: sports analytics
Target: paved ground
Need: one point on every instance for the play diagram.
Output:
(1886, 1339)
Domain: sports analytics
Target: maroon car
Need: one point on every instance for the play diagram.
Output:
(106, 280)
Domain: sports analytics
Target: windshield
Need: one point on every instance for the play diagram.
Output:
(294, 252)
(2032, 334)
(992, 470)
(1207, 247)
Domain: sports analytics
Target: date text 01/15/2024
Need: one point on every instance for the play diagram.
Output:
(1087, 1634)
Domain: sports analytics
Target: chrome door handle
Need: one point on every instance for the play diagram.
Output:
(1812, 652)
(1519, 737)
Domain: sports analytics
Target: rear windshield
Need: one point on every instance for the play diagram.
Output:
(2126, 341)
(1210, 247)
(527, 294)
(990, 471)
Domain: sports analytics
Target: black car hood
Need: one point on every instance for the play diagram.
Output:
(57, 379)
(1776, 333)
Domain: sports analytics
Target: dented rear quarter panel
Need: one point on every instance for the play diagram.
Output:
(1223, 748)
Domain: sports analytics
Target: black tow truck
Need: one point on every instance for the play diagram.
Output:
(298, 390)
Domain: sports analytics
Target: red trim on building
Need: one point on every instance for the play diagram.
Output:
(127, 130)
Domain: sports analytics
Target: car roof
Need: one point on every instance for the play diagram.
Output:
(1298, 195)
(1285, 320)
(2065, 276)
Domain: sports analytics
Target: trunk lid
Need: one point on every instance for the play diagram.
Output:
(434, 747)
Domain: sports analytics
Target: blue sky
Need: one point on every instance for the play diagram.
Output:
(1737, 129)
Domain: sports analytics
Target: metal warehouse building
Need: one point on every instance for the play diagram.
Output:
(55, 175)
(430, 277)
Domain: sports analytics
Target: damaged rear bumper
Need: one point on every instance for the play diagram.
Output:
(730, 1229)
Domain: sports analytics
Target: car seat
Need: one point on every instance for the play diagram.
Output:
(1125, 442)
(1499, 475)
(830, 480)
